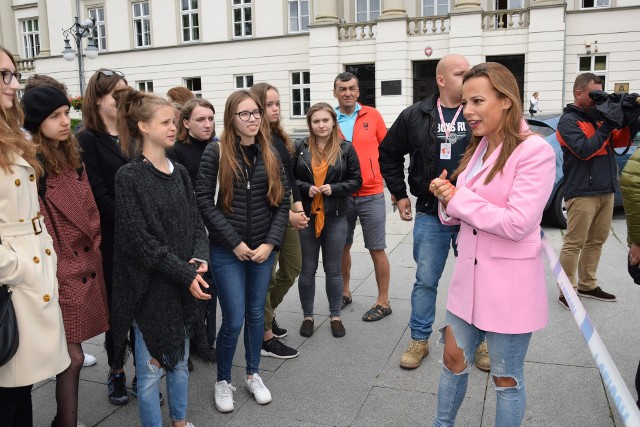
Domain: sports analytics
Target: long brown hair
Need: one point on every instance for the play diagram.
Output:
(331, 151)
(133, 107)
(57, 156)
(185, 114)
(13, 139)
(505, 86)
(261, 89)
(230, 170)
(99, 85)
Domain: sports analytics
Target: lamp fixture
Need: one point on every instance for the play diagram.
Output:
(79, 31)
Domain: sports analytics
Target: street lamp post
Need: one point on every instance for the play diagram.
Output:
(78, 31)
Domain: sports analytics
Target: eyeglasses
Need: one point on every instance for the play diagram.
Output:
(244, 115)
(7, 76)
(110, 73)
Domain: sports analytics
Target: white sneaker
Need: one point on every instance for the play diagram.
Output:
(89, 360)
(259, 391)
(223, 396)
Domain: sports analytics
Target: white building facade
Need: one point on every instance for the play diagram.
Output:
(216, 46)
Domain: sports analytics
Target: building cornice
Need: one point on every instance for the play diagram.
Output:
(25, 6)
(602, 9)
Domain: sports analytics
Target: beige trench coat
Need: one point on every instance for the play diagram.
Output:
(28, 265)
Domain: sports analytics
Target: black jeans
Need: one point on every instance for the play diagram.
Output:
(15, 407)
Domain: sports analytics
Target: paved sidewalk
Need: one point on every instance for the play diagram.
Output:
(356, 380)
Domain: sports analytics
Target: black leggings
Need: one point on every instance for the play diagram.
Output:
(15, 407)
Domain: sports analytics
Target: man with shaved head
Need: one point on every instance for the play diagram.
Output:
(435, 135)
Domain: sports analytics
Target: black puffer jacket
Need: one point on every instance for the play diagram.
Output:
(413, 133)
(344, 177)
(253, 220)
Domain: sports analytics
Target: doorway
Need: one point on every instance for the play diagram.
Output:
(366, 74)
(424, 79)
(515, 64)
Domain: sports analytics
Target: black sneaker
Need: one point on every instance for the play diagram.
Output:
(598, 294)
(189, 364)
(134, 390)
(563, 302)
(277, 330)
(117, 393)
(275, 348)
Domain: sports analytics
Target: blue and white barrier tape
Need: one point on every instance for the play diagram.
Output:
(622, 398)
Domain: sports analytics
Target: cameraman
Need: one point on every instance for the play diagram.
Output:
(590, 174)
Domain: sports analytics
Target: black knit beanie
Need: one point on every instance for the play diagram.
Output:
(38, 103)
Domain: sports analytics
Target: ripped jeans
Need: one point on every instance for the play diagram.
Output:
(506, 352)
(149, 377)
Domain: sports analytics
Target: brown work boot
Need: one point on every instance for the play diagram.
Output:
(412, 358)
(482, 357)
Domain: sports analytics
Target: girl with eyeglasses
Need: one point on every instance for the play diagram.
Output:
(70, 211)
(246, 223)
(327, 171)
(289, 258)
(160, 254)
(102, 156)
(27, 262)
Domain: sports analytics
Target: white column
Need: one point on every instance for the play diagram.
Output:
(8, 28)
(43, 25)
(393, 9)
(462, 5)
(326, 11)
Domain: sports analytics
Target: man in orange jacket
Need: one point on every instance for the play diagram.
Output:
(365, 128)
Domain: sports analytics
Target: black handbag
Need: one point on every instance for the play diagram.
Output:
(9, 337)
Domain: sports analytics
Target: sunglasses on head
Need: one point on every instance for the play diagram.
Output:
(110, 73)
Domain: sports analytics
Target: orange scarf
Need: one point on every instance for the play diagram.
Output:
(317, 205)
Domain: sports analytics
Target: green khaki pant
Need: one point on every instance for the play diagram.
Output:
(286, 269)
(588, 226)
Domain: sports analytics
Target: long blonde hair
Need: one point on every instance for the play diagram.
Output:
(230, 170)
(331, 151)
(505, 86)
(13, 139)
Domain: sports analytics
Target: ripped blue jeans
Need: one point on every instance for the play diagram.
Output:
(506, 352)
(149, 377)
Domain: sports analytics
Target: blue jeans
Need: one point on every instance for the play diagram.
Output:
(431, 242)
(332, 238)
(149, 377)
(242, 291)
(507, 353)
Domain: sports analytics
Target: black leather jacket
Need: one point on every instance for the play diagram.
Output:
(413, 133)
(344, 177)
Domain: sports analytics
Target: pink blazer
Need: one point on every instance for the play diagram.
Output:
(498, 281)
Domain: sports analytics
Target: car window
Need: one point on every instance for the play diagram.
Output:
(542, 130)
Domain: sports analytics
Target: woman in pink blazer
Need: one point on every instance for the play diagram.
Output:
(498, 284)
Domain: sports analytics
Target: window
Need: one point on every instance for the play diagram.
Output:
(435, 7)
(146, 86)
(587, 4)
(367, 10)
(99, 31)
(244, 81)
(300, 92)
(190, 22)
(596, 64)
(242, 18)
(31, 38)
(194, 84)
(298, 15)
(141, 24)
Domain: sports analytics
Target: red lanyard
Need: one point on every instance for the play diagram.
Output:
(447, 128)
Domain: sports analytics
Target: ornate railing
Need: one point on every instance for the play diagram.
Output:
(26, 65)
(357, 31)
(505, 19)
(428, 25)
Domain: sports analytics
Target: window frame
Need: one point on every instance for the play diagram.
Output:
(369, 12)
(190, 12)
(188, 82)
(242, 6)
(299, 87)
(595, 5)
(435, 5)
(145, 86)
(30, 38)
(143, 19)
(300, 17)
(245, 81)
(100, 28)
(604, 74)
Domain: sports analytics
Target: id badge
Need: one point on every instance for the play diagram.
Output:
(445, 151)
